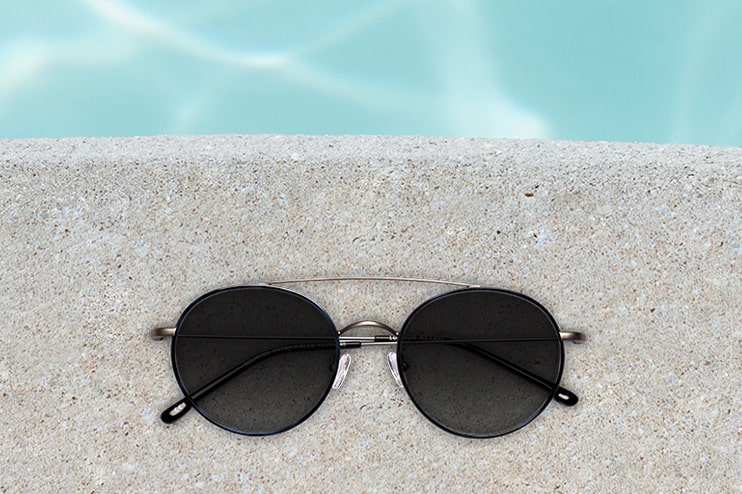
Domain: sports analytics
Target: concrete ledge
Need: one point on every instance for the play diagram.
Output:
(636, 245)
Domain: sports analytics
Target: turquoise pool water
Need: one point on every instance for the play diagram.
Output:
(656, 71)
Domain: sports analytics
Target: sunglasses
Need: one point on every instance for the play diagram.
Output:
(260, 359)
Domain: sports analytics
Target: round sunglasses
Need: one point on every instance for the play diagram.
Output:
(260, 359)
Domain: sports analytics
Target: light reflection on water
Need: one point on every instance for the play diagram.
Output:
(667, 72)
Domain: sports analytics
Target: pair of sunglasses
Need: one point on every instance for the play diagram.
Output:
(260, 359)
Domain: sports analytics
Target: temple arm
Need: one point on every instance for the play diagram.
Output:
(182, 406)
(159, 334)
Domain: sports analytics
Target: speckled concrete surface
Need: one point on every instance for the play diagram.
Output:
(636, 245)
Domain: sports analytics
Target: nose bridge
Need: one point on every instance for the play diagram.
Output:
(377, 339)
(358, 341)
(369, 324)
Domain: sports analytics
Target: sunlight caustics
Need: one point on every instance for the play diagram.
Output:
(126, 17)
(475, 101)
(448, 68)
(702, 40)
(287, 63)
(476, 106)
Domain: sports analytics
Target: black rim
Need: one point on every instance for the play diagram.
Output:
(468, 384)
(284, 338)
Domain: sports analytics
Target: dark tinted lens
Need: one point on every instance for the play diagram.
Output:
(480, 362)
(255, 360)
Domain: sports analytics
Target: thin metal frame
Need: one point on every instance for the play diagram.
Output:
(373, 278)
(182, 406)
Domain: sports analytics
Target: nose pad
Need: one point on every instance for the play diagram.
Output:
(343, 366)
(391, 359)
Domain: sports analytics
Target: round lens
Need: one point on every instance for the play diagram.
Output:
(256, 359)
(480, 362)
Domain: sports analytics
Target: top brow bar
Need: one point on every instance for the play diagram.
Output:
(372, 278)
